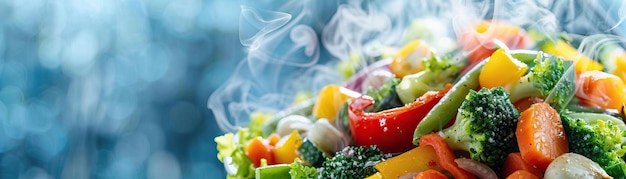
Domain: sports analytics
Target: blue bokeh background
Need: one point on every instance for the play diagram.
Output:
(118, 88)
(113, 89)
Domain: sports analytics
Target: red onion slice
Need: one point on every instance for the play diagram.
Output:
(481, 170)
(354, 83)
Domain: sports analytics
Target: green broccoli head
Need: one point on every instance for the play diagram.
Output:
(353, 162)
(548, 77)
(485, 127)
(598, 137)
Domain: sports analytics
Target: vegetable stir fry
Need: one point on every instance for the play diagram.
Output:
(520, 106)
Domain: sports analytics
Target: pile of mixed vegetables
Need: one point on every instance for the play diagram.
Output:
(502, 102)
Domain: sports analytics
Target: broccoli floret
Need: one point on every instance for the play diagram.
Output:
(385, 97)
(353, 162)
(547, 75)
(485, 127)
(599, 137)
(438, 72)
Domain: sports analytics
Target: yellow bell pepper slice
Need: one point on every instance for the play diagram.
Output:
(376, 175)
(286, 150)
(501, 69)
(620, 67)
(409, 59)
(417, 159)
(330, 100)
(582, 63)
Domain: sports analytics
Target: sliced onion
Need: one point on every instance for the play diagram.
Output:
(376, 79)
(326, 137)
(293, 122)
(355, 82)
(479, 169)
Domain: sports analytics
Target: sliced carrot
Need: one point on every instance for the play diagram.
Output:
(522, 174)
(601, 90)
(273, 139)
(258, 149)
(514, 163)
(430, 174)
(525, 103)
(445, 155)
(540, 135)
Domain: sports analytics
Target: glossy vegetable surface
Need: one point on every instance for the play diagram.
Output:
(390, 129)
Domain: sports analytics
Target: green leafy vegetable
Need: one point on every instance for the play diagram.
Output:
(301, 171)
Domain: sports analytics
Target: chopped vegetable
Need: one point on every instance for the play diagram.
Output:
(620, 66)
(311, 154)
(233, 154)
(375, 176)
(280, 171)
(540, 135)
(523, 104)
(225, 146)
(522, 174)
(598, 137)
(327, 138)
(571, 165)
(445, 109)
(293, 122)
(542, 79)
(420, 159)
(409, 59)
(303, 108)
(273, 139)
(500, 61)
(561, 48)
(478, 41)
(430, 174)
(330, 99)
(353, 162)
(257, 149)
(285, 151)
(484, 127)
(445, 155)
(390, 129)
(514, 162)
(601, 90)
(481, 170)
(301, 171)
(438, 73)
(256, 122)
(386, 97)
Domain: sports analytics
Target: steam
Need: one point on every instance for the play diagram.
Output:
(285, 56)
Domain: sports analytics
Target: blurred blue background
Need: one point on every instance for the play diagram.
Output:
(118, 88)
(113, 88)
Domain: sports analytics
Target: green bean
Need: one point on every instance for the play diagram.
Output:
(447, 107)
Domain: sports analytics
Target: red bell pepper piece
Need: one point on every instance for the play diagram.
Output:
(391, 130)
(445, 155)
